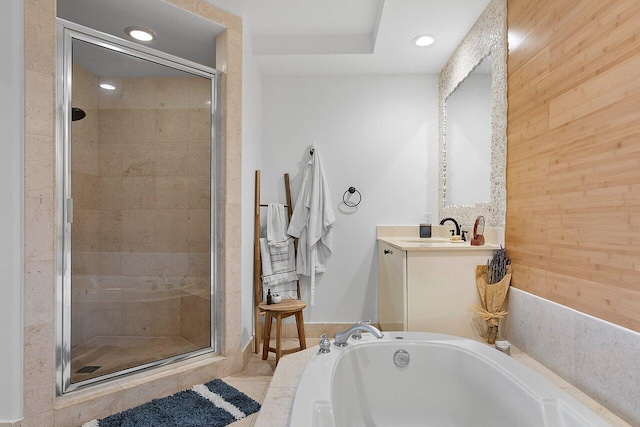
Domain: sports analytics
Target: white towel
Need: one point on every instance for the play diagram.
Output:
(312, 222)
(279, 276)
(276, 225)
(277, 253)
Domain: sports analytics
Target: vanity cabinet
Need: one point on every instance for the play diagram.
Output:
(392, 298)
(428, 288)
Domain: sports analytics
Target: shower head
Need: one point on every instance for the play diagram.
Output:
(77, 114)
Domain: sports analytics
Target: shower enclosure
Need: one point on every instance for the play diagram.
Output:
(137, 207)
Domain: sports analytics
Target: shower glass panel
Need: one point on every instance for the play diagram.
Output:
(139, 175)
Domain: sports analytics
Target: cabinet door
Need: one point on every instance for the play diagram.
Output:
(442, 289)
(392, 301)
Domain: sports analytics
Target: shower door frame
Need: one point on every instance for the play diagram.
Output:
(67, 32)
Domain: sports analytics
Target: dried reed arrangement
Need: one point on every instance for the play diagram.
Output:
(497, 266)
(493, 282)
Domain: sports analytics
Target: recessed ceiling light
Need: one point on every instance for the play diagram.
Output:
(140, 33)
(424, 40)
(107, 86)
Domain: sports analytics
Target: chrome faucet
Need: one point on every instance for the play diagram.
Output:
(340, 338)
(454, 223)
(324, 344)
(357, 335)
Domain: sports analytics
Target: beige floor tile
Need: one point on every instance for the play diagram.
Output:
(115, 353)
(245, 422)
(255, 379)
(266, 389)
(259, 368)
(254, 387)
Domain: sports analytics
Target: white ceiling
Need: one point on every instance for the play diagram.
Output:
(299, 37)
(180, 33)
(320, 37)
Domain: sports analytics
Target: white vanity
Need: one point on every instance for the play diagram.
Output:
(428, 284)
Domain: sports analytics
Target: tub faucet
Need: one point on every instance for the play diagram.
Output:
(324, 344)
(454, 223)
(357, 335)
(340, 338)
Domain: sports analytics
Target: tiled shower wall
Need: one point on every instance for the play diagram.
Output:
(141, 189)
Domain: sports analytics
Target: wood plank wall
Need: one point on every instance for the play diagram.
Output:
(573, 161)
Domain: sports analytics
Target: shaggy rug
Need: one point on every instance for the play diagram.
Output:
(214, 404)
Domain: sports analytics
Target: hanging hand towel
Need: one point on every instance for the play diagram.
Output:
(277, 254)
(312, 221)
(277, 225)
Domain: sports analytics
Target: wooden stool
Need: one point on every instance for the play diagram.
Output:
(287, 308)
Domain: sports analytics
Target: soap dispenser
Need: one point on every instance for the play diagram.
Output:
(425, 231)
(425, 227)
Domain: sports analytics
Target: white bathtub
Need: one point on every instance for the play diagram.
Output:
(449, 382)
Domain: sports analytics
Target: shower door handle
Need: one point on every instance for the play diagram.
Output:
(69, 211)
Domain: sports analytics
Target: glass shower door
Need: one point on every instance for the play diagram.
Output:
(139, 213)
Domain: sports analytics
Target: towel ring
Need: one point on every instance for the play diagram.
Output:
(351, 190)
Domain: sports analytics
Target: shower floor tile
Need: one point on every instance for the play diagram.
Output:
(114, 354)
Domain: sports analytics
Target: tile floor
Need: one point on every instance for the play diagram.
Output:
(115, 353)
(255, 379)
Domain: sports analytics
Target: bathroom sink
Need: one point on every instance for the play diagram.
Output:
(423, 240)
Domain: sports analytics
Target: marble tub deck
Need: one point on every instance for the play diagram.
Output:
(276, 403)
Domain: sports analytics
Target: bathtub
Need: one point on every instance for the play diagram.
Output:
(448, 382)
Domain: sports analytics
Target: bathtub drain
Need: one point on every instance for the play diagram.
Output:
(401, 358)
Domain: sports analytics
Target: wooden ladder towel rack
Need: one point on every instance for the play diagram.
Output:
(288, 307)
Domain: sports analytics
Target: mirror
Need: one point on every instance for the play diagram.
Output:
(468, 138)
(473, 123)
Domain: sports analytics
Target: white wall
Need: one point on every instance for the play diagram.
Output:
(251, 157)
(376, 133)
(11, 195)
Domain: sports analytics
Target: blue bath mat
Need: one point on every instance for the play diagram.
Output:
(214, 404)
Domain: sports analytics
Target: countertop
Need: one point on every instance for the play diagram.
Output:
(406, 238)
(277, 404)
(430, 244)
